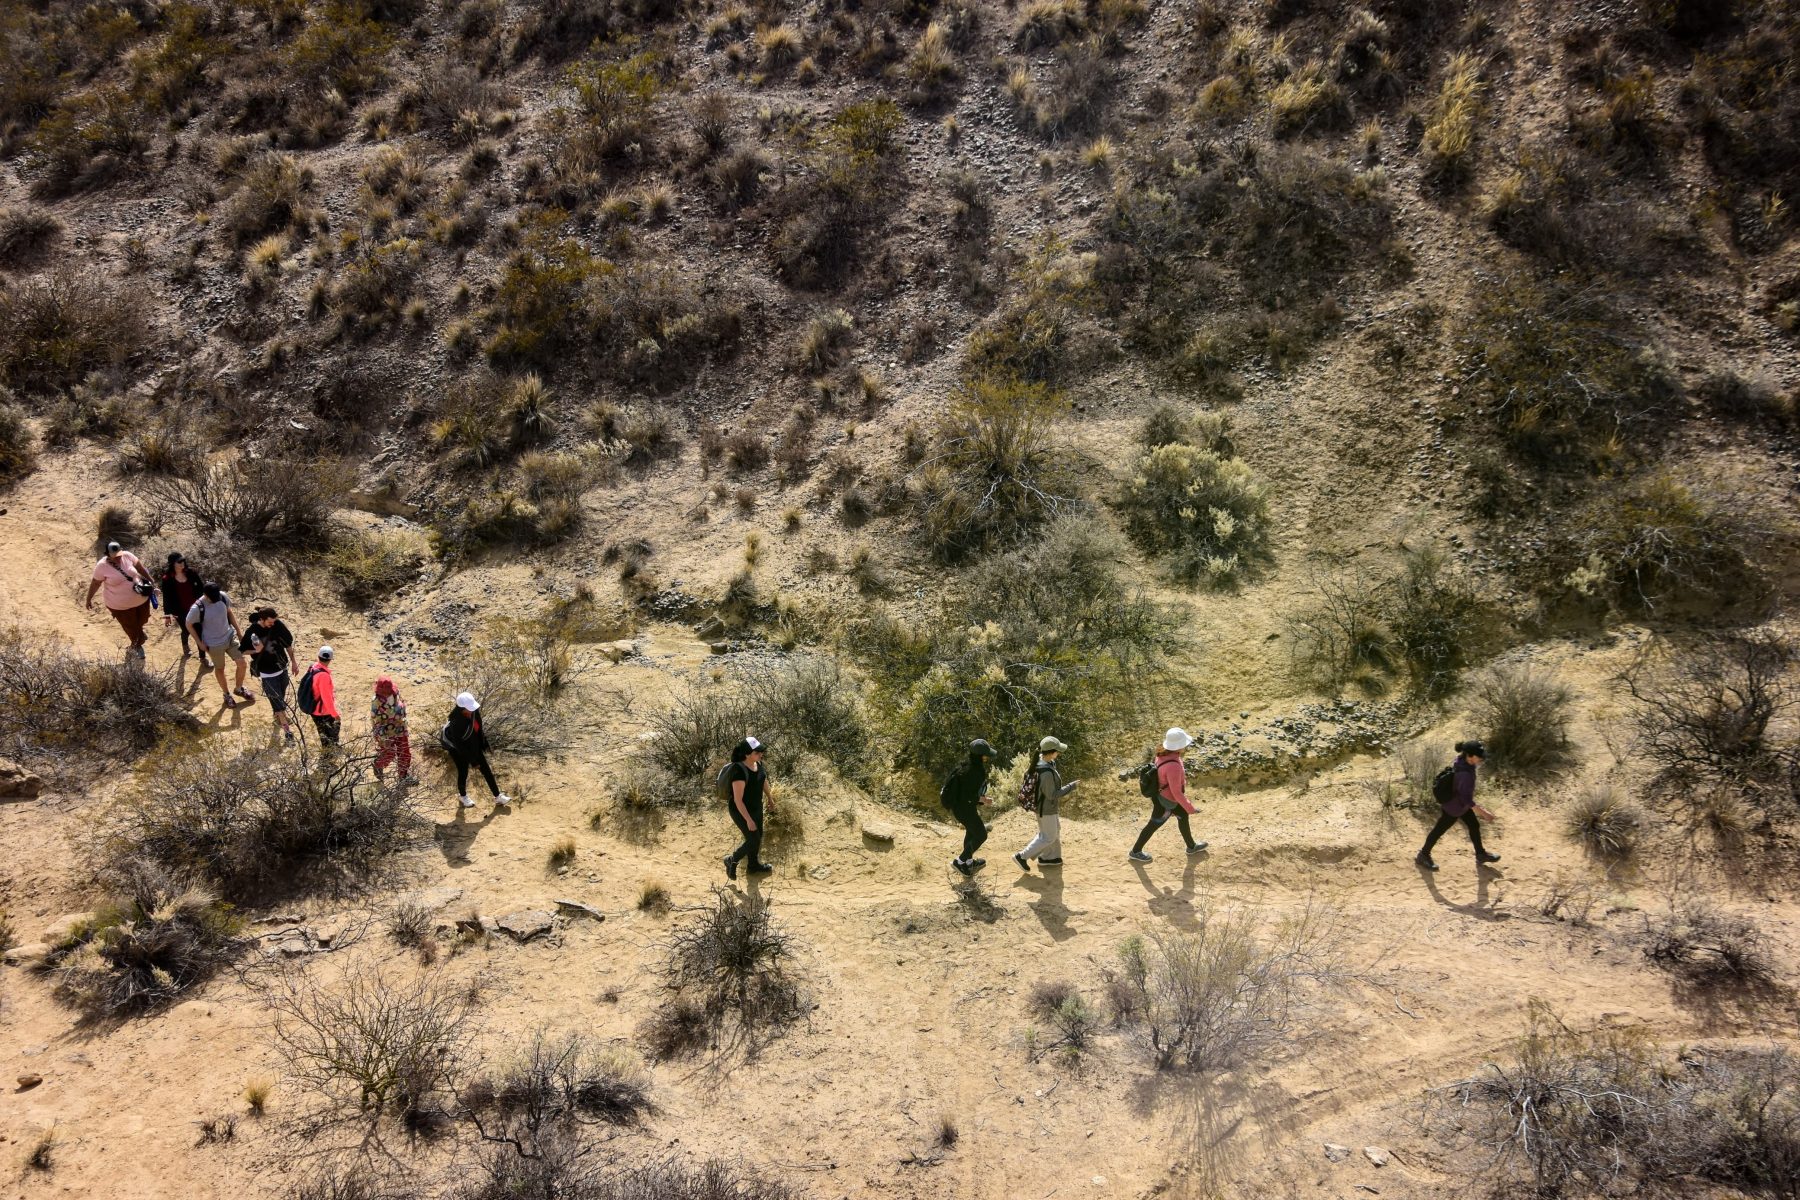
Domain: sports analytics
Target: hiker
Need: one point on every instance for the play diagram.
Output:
(387, 721)
(317, 698)
(1454, 790)
(271, 649)
(128, 592)
(964, 793)
(1044, 796)
(1169, 778)
(181, 586)
(743, 782)
(465, 743)
(215, 629)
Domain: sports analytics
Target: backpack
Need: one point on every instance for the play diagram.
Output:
(1028, 789)
(304, 699)
(723, 783)
(1149, 777)
(1443, 786)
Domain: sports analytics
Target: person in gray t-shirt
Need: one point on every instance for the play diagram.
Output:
(215, 629)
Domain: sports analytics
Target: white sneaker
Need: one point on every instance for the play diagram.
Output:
(503, 799)
(465, 802)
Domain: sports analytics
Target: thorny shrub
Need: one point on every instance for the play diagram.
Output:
(57, 328)
(739, 966)
(79, 715)
(1524, 719)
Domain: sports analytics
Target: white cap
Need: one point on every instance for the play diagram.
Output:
(467, 701)
(1177, 739)
(324, 653)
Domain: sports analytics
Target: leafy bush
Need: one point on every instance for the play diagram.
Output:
(1524, 719)
(1231, 989)
(1655, 540)
(369, 1044)
(58, 327)
(369, 566)
(153, 940)
(1205, 513)
(251, 826)
(269, 503)
(1605, 821)
(87, 139)
(848, 168)
(18, 452)
(76, 714)
(740, 967)
(803, 705)
(997, 474)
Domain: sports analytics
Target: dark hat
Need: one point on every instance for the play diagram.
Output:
(1471, 749)
(980, 746)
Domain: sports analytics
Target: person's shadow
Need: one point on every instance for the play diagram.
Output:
(227, 718)
(1049, 908)
(456, 836)
(1175, 907)
(1482, 908)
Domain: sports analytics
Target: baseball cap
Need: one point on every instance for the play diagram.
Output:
(1049, 744)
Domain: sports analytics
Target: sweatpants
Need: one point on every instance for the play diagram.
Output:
(750, 850)
(1048, 842)
(1159, 816)
(328, 728)
(462, 773)
(132, 621)
(1445, 822)
(974, 831)
(397, 749)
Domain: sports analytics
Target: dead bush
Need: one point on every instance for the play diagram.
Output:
(1440, 623)
(1704, 718)
(73, 715)
(1419, 764)
(18, 450)
(740, 967)
(371, 1044)
(1233, 988)
(59, 327)
(679, 1028)
(268, 196)
(1524, 719)
(1342, 637)
(253, 827)
(1708, 947)
(1449, 142)
(25, 233)
(1605, 821)
(411, 925)
(555, 1083)
(151, 941)
(272, 504)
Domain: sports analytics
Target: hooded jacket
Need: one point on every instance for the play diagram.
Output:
(1050, 788)
(1463, 798)
(462, 734)
(964, 787)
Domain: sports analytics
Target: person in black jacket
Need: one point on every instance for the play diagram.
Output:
(466, 744)
(270, 646)
(181, 586)
(744, 780)
(964, 793)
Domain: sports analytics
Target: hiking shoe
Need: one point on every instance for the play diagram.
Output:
(1139, 856)
(978, 863)
(465, 802)
(288, 736)
(504, 800)
(1049, 862)
(761, 868)
(1196, 848)
(1023, 864)
(238, 691)
(1424, 861)
(730, 867)
(965, 867)
(1485, 857)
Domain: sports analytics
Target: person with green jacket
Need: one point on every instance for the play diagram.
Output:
(1046, 847)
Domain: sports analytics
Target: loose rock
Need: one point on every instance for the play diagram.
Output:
(526, 924)
(27, 1082)
(1336, 1153)
(16, 783)
(576, 907)
(1376, 1155)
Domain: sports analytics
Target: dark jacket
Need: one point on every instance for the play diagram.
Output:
(178, 597)
(1462, 798)
(272, 657)
(463, 736)
(966, 785)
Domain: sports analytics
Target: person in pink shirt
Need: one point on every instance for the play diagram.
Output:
(122, 576)
(1171, 799)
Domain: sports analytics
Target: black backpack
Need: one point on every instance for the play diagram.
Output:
(1443, 785)
(304, 699)
(1149, 781)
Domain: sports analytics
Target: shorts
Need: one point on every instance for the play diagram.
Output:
(275, 688)
(228, 648)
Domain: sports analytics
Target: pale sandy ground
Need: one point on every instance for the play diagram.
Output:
(921, 999)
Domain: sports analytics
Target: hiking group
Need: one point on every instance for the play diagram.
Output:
(209, 628)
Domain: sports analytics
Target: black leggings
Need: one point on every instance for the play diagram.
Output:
(1445, 822)
(462, 774)
(974, 831)
(1159, 816)
(751, 849)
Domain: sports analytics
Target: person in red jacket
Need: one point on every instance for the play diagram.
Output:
(1171, 781)
(323, 709)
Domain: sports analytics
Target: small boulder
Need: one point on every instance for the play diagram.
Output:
(576, 908)
(27, 1082)
(26, 955)
(1376, 1155)
(16, 783)
(64, 927)
(526, 924)
(719, 647)
(1336, 1153)
(877, 832)
(617, 651)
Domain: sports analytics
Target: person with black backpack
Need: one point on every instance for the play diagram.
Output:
(1454, 790)
(1163, 782)
(742, 784)
(1042, 792)
(466, 744)
(964, 793)
(317, 698)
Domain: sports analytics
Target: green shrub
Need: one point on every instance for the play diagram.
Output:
(616, 102)
(58, 327)
(848, 168)
(997, 472)
(88, 138)
(1524, 718)
(1655, 540)
(341, 48)
(1440, 623)
(18, 451)
(370, 566)
(1207, 515)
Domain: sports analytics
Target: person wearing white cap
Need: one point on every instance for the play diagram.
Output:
(743, 784)
(462, 738)
(1046, 847)
(1171, 795)
(317, 698)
